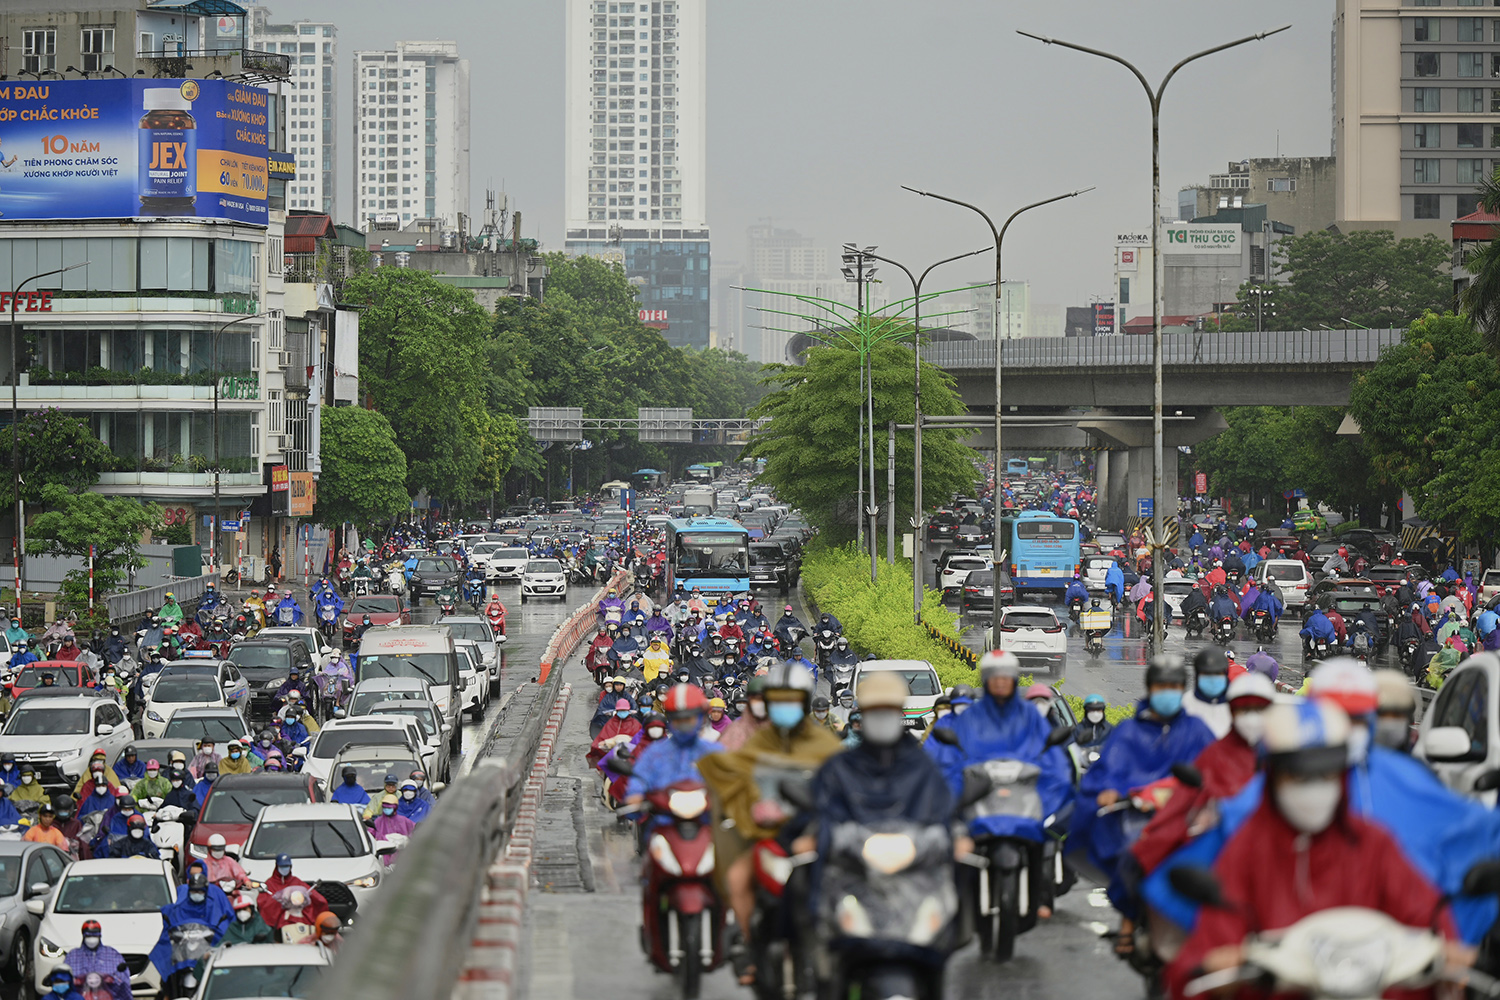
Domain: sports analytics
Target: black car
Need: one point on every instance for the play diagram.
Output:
(980, 593)
(432, 574)
(1351, 603)
(769, 567)
(942, 526)
(266, 664)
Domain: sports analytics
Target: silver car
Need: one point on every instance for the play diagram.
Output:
(27, 871)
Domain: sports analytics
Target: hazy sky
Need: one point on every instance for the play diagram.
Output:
(820, 109)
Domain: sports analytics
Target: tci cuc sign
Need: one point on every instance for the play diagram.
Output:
(26, 302)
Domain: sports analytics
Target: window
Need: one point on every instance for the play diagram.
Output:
(1425, 206)
(1471, 29)
(1467, 706)
(1470, 171)
(1426, 100)
(1468, 204)
(38, 49)
(1425, 171)
(1471, 64)
(1424, 29)
(1426, 136)
(1424, 64)
(1281, 184)
(1470, 136)
(98, 48)
(1471, 100)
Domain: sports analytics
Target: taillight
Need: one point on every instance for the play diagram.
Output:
(1009, 628)
(1053, 630)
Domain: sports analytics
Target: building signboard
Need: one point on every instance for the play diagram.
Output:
(301, 495)
(1195, 237)
(1104, 319)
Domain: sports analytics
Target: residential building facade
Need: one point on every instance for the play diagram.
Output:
(312, 103)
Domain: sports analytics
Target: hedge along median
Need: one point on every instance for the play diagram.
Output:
(879, 619)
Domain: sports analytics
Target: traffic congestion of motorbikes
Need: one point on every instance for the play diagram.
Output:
(1321, 827)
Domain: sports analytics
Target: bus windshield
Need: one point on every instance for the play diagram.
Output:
(434, 668)
(703, 553)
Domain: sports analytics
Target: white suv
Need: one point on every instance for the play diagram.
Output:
(956, 569)
(922, 685)
(56, 734)
(1035, 635)
(1291, 577)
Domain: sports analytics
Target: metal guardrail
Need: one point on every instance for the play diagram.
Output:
(1285, 347)
(133, 604)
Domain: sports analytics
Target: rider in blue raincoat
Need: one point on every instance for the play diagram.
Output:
(328, 597)
(194, 908)
(1114, 582)
(1076, 591)
(1140, 750)
(287, 605)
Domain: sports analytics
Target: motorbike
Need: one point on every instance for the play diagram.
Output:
(361, 586)
(168, 830)
(1223, 631)
(1265, 626)
(327, 620)
(1361, 643)
(1197, 623)
(1318, 649)
(497, 623)
(645, 580)
(191, 944)
(284, 616)
(842, 676)
(1095, 626)
(824, 642)
(1075, 608)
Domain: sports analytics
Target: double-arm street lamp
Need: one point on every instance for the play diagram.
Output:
(1154, 96)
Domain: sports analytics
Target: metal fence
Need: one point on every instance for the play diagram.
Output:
(1286, 347)
(133, 604)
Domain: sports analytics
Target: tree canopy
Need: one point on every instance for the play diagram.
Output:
(55, 448)
(364, 469)
(76, 519)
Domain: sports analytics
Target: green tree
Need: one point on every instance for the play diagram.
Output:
(1367, 276)
(55, 448)
(74, 520)
(422, 360)
(811, 449)
(1481, 297)
(1249, 458)
(364, 469)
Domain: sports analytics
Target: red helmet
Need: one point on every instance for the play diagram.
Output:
(92, 927)
(684, 698)
(1039, 691)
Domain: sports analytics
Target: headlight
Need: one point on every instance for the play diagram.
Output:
(889, 853)
(69, 754)
(661, 853)
(370, 881)
(706, 863)
(688, 805)
(151, 714)
(198, 850)
(49, 949)
(1350, 968)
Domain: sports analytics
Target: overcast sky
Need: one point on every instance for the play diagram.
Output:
(820, 109)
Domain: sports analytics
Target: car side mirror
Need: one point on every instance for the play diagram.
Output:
(1487, 782)
(438, 786)
(447, 729)
(36, 906)
(1447, 743)
(383, 850)
(105, 729)
(38, 889)
(1197, 884)
(1059, 736)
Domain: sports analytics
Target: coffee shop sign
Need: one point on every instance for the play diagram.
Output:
(240, 387)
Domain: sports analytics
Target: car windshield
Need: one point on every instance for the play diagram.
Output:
(1029, 619)
(1101, 563)
(436, 566)
(1179, 589)
(323, 838)
(544, 566)
(1352, 605)
(711, 552)
(262, 981)
(371, 773)
(485, 548)
(509, 554)
(133, 892)
(981, 578)
(473, 631)
(331, 741)
(430, 667)
(242, 805)
(220, 729)
(922, 683)
(31, 677)
(423, 714)
(179, 688)
(48, 722)
(1491, 578)
(262, 657)
(958, 565)
(365, 702)
(1280, 573)
(375, 605)
(10, 874)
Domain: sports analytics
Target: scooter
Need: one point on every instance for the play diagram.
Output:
(1197, 623)
(1265, 626)
(327, 620)
(168, 831)
(824, 642)
(361, 586)
(1223, 631)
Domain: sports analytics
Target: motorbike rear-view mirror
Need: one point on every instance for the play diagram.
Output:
(798, 791)
(1198, 884)
(1059, 736)
(1188, 775)
(1487, 782)
(1483, 879)
(947, 737)
(977, 784)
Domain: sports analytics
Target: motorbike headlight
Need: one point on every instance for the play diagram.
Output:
(688, 804)
(889, 853)
(661, 853)
(852, 919)
(706, 863)
(1350, 968)
(50, 949)
(370, 881)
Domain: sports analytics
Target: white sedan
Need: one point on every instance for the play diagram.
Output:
(125, 895)
(1034, 634)
(544, 578)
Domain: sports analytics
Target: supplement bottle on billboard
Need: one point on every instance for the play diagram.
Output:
(169, 151)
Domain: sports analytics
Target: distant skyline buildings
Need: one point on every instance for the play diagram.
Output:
(312, 103)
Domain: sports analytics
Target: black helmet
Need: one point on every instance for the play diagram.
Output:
(198, 879)
(1210, 660)
(820, 704)
(1167, 668)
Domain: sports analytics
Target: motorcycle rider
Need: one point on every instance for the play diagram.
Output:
(115, 647)
(1076, 592)
(248, 927)
(221, 868)
(1002, 725)
(1365, 617)
(668, 761)
(95, 958)
(410, 805)
(1222, 605)
(350, 792)
(287, 611)
(1208, 698)
(1093, 728)
(130, 768)
(22, 655)
(136, 843)
(171, 611)
(195, 908)
(327, 597)
(789, 740)
(1304, 850)
(597, 657)
(15, 633)
(784, 626)
(1317, 626)
(751, 719)
(1395, 710)
(1141, 750)
(45, 830)
(656, 661)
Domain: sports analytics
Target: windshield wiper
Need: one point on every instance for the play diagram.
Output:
(348, 846)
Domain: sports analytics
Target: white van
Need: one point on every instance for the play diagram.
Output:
(425, 653)
(1291, 577)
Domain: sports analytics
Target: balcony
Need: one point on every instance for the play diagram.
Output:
(252, 64)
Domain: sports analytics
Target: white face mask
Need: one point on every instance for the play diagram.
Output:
(329, 938)
(1309, 806)
(243, 916)
(758, 709)
(1359, 742)
(137, 834)
(1095, 717)
(25, 779)
(881, 727)
(1251, 726)
(1392, 733)
(217, 852)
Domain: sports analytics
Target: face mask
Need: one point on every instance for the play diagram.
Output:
(234, 755)
(1309, 806)
(1359, 742)
(655, 732)
(25, 779)
(61, 989)
(820, 716)
(176, 782)
(283, 872)
(408, 795)
(208, 751)
(243, 916)
(91, 941)
(266, 744)
(1166, 703)
(388, 810)
(197, 897)
(624, 714)
(1251, 726)
(785, 714)
(1213, 685)
(1094, 717)
(329, 938)
(758, 710)
(1392, 733)
(881, 728)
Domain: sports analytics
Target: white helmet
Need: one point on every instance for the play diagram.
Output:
(216, 840)
(999, 663)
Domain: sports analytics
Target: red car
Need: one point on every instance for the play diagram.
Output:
(382, 609)
(235, 800)
(65, 673)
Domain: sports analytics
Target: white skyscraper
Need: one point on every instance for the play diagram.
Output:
(636, 151)
(411, 133)
(311, 103)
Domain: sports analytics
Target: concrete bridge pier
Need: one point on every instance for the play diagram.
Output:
(1129, 475)
(1114, 470)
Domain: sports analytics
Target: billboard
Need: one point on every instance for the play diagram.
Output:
(1130, 260)
(302, 494)
(1104, 319)
(1197, 237)
(133, 148)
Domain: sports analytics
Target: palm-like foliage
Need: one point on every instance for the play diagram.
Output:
(1481, 299)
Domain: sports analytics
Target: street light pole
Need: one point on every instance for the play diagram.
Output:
(213, 547)
(916, 344)
(1158, 275)
(857, 270)
(999, 235)
(15, 426)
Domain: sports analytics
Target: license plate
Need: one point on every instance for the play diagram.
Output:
(988, 591)
(1044, 571)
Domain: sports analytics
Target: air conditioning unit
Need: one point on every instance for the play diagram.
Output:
(278, 442)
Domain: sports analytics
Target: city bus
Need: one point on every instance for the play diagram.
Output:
(709, 553)
(1045, 550)
(1016, 467)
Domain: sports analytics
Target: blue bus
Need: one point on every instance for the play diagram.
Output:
(1016, 467)
(1045, 550)
(709, 553)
